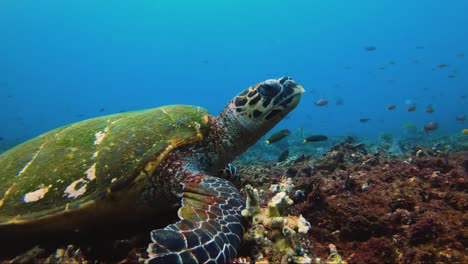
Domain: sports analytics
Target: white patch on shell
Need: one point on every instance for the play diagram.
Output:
(100, 136)
(30, 162)
(35, 195)
(72, 192)
(91, 172)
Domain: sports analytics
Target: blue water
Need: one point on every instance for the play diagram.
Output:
(64, 61)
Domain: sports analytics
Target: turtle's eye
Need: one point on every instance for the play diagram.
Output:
(269, 90)
(284, 79)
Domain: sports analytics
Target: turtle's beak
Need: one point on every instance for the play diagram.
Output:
(292, 93)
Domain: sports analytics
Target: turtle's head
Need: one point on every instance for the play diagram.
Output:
(262, 106)
(248, 116)
(256, 110)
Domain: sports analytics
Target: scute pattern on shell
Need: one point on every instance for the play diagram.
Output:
(67, 167)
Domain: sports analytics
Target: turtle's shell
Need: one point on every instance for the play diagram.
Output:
(66, 170)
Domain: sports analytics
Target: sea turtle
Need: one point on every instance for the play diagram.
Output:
(117, 170)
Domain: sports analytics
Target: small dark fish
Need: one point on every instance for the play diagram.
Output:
(392, 62)
(442, 65)
(339, 101)
(419, 47)
(429, 109)
(451, 76)
(431, 126)
(364, 120)
(370, 48)
(391, 107)
(460, 118)
(283, 156)
(278, 136)
(315, 138)
(411, 108)
(321, 102)
(1, 138)
(101, 110)
(460, 55)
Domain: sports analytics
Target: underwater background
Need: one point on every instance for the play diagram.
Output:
(371, 167)
(65, 61)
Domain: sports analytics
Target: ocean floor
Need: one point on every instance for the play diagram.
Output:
(359, 204)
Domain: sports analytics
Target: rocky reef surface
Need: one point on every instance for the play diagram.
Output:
(364, 207)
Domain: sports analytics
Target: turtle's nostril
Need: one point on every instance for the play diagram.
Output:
(269, 90)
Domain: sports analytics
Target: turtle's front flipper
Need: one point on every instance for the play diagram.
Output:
(231, 173)
(210, 227)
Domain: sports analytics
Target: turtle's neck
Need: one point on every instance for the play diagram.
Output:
(228, 138)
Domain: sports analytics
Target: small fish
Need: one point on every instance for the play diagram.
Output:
(278, 136)
(339, 101)
(460, 118)
(101, 110)
(364, 120)
(431, 126)
(465, 131)
(429, 109)
(460, 55)
(283, 156)
(1, 138)
(315, 138)
(440, 66)
(370, 48)
(451, 76)
(411, 108)
(409, 126)
(391, 107)
(419, 47)
(321, 102)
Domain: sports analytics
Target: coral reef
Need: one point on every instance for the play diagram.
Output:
(378, 208)
(274, 234)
